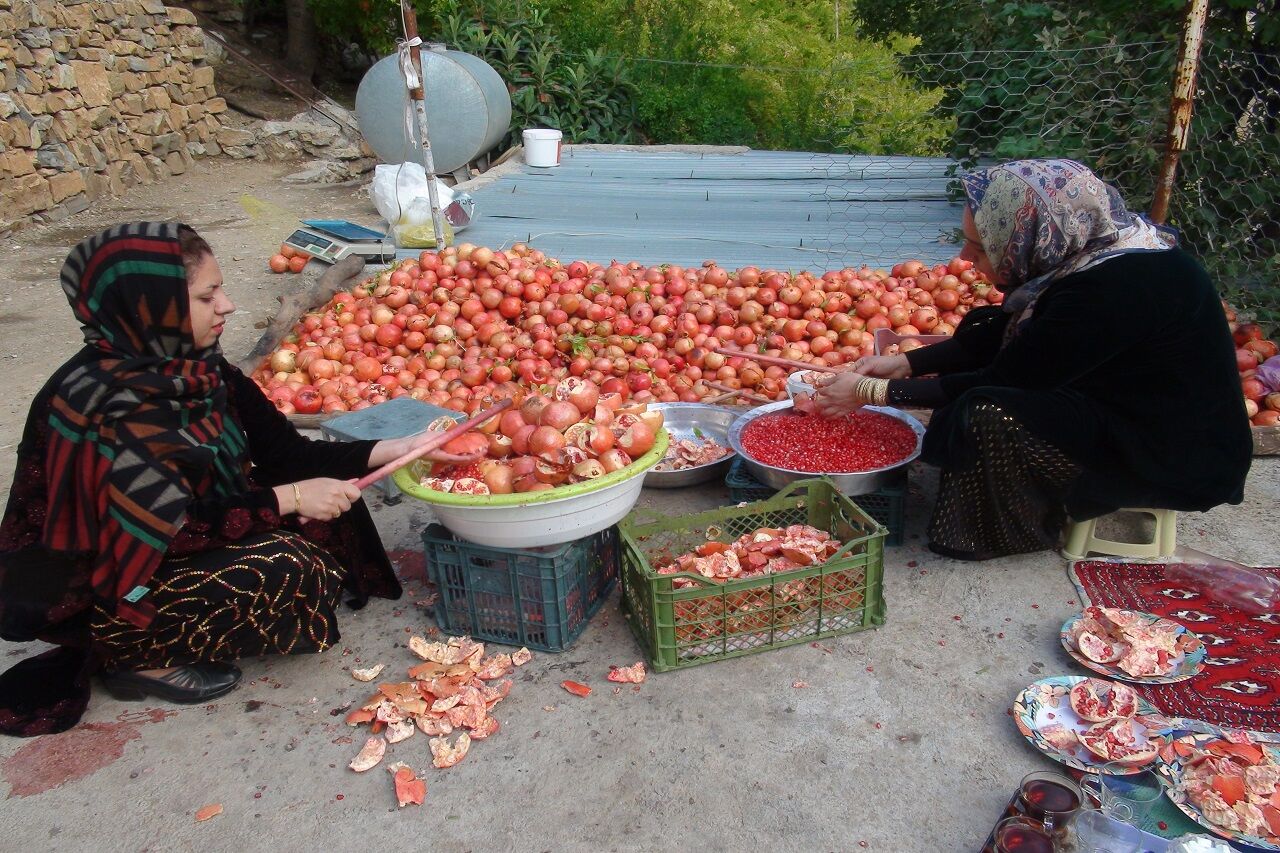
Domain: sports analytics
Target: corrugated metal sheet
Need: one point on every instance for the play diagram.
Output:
(779, 209)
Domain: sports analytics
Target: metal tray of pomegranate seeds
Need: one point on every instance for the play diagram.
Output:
(857, 483)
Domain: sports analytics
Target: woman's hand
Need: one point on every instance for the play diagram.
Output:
(883, 366)
(836, 397)
(322, 498)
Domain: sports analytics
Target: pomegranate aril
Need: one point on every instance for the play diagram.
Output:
(861, 441)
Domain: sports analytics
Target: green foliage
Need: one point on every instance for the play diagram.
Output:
(587, 96)
(373, 24)
(1092, 81)
(766, 73)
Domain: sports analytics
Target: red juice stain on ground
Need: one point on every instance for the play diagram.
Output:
(412, 565)
(52, 761)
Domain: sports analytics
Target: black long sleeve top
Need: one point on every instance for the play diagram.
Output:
(1134, 353)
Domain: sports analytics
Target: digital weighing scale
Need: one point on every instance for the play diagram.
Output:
(331, 240)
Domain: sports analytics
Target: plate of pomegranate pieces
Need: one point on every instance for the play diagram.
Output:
(1086, 723)
(1130, 645)
(1228, 783)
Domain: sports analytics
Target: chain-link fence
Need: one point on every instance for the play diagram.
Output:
(1105, 106)
(1227, 198)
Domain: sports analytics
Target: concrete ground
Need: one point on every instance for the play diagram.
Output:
(901, 742)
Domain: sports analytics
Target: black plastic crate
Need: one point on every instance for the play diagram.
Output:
(542, 598)
(887, 506)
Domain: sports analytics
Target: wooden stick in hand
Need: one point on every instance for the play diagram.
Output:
(432, 443)
(781, 362)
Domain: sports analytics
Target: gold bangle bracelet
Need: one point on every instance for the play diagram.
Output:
(872, 391)
(297, 498)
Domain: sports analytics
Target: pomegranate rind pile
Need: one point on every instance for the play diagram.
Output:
(452, 692)
(764, 551)
(1131, 641)
(1112, 730)
(1234, 782)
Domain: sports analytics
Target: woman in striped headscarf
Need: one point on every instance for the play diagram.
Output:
(164, 518)
(1105, 379)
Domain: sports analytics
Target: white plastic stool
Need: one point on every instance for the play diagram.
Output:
(1081, 541)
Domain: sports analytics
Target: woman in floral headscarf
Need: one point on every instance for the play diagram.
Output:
(1106, 378)
(164, 518)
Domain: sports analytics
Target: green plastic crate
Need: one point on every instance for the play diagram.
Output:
(542, 598)
(887, 506)
(711, 621)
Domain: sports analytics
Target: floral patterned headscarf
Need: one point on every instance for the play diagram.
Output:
(1041, 220)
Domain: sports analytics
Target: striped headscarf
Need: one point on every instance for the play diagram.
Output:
(1041, 220)
(141, 430)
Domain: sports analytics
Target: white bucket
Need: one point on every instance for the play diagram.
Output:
(542, 147)
(797, 384)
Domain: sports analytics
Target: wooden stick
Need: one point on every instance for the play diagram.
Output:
(432, 443)
(756, 397)
(781, 362)
(1184, 94)
(311, 296)
(721, 398)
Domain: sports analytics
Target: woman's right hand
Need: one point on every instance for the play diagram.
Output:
(883, 366)
(322, 498)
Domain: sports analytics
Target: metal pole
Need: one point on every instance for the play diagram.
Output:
(418, 97)
(1184, 90)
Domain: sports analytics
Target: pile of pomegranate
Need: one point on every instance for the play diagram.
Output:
(453, 326)
(573, 435)
(288, 259)
(1258, 361)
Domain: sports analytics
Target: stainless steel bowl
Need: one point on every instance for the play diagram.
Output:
(681, 419)
(861, 483)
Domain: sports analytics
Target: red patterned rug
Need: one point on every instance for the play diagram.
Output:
(1240, 686)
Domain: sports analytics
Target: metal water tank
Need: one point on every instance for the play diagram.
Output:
(468, 108)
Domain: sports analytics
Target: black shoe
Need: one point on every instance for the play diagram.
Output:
(186, 685)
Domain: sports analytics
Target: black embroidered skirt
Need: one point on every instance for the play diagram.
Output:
(274, 593)
(1003, 490)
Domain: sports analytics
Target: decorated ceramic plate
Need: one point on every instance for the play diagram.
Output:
(1233, 765)
(1044, 714)
(1130, 645)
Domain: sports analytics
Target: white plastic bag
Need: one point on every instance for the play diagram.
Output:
(1225, 581)
(400, 194)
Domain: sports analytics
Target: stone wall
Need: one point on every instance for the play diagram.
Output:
(96, 97)
(333, 150)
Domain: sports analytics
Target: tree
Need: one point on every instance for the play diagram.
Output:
(301, 54)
